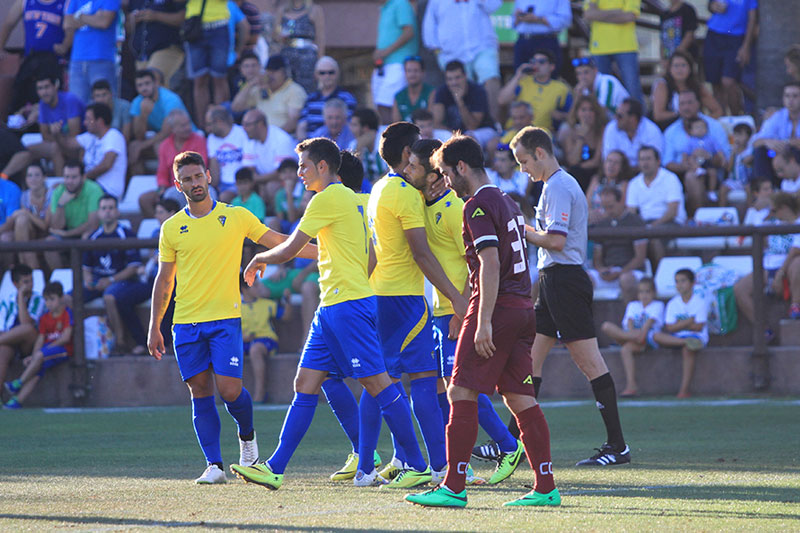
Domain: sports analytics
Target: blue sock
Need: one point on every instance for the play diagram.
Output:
(344, 407)
(369, 414)
(298, 418)
(399, 453)
(398, 417)
(241, 409)
(207, 426)
(444, 405)
(429, 417)
(496, 428)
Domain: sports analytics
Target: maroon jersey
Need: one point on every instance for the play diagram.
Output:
(491, 218)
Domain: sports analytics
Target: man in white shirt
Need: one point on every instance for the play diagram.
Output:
(608, 90)
(787, 167)
(104, 151)
(657, 196)
(630, 131)
(266, 147)
(226, 142)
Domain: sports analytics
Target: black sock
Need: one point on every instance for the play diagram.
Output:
(537, 384)
(606, 396)
(219, 465)
(249, 436)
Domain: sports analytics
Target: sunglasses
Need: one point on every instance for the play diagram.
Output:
(326, 72)
(579, 61)
(540, 61)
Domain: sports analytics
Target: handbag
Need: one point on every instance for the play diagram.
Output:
(192, 27)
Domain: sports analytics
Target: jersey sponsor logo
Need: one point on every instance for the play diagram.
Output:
(222, 219)
(477, 213)
(564, 216)
(184, 229)
(528, 380)
(234, 361)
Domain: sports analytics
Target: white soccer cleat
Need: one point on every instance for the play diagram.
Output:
(248, 451)
(368, 480)
(437, 476)
(212, 476)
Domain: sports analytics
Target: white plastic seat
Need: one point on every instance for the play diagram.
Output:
(709, 216)
(136, 187)
(63, 276)
(741, 264)
(52, 183)
(146, 228)
(665, 273)
(6, 286)
(29, 139)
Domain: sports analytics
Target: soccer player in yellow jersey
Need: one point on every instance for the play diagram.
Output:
(201, 245)
(342, 339)
(443, 225)
(397, 219)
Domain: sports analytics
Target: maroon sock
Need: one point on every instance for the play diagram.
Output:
(535, 437)
(462, 432)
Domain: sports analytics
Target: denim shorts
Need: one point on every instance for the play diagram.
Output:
(209, 54)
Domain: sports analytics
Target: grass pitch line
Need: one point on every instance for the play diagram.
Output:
(590, 492)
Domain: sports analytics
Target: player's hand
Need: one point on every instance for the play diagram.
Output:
(453, 328)
(252, 269)
(155, 343)
(483, 341)
(460, 306)
(438, 188)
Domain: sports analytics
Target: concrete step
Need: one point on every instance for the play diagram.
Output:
(789, 332)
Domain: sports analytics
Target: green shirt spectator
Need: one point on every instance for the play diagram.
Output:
(77, 210)
(254, 204)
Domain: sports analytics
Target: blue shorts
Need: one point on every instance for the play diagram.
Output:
(271, 344)
(209, 55)
(719, 56)
(406, 332)
(53, 356)
(343, 340)
(216, 344)
(445, 348)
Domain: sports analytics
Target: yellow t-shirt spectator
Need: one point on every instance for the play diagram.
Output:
(215, 11)
(610, 38)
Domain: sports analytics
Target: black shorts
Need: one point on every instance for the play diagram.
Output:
(564, 306)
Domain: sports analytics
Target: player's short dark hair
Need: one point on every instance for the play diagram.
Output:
(184, 159)
(351, 170)
(244, 174)
(54, 288)
(743, 127)
(649, 282)
(421, 114)
(111, 197)
(248, 54)
(544, 52)
(793, 83)
(611, 190)
(367, 117)
(100, 111)
(531, 138)
(685, 272)
(460, 148)
(396, 138)
(424, 149)
(288, 164)
(169, 204)
(650, 148)
(145, 73)
(785, 199)
(36, 164)
(74, 163)
(101, 85)
(634, 107)
(455, 64)
(321, 149)
(46, 75)
(19, 270)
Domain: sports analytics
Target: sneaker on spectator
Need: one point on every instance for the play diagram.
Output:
(794, 312)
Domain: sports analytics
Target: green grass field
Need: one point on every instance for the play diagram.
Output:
(698, 466)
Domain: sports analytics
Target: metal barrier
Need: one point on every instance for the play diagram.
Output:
(80, 386)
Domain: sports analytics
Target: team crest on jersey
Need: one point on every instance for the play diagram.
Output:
(222, 219)
(438, 217)
(477, 213)
(184, 229)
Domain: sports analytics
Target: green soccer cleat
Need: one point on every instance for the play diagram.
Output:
(260, 474)
(472, 479)
(439, 496)
(537, 499)
(409, 478)
(507, 464)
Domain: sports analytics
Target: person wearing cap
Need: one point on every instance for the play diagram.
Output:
(608, 90)
(279, 97)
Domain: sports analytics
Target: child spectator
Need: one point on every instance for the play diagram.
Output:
(685, 325)
(739, 173)
(19, 314)
(258, 331)
(643, 318)
(288, 213)
(53, 346)
(760, 209)
(246, 196)
(701, 150)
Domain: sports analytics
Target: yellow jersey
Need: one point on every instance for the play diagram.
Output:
(443, 226)
(216, 10)
(207, 253)
(608, 38)
(336, 218)
(544, 98)
(394, 207)
(257, 318)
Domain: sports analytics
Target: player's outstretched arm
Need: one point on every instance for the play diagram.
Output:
(281, 253)
(272, 238)
(162, 292)
(423, 256)
(489, 281)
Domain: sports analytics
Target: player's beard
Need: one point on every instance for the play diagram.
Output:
(196, 195)
(460, 184)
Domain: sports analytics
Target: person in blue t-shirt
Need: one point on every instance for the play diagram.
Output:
(94, 47)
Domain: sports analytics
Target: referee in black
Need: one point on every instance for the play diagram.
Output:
(564, 306)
